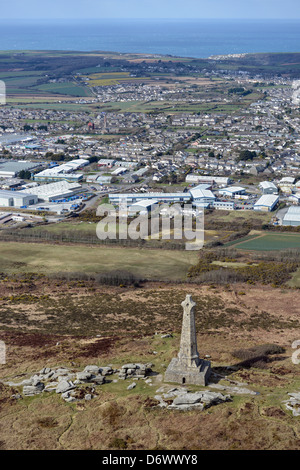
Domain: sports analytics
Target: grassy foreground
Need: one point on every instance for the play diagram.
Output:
(143, 263)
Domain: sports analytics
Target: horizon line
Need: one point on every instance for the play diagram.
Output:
(147, 18)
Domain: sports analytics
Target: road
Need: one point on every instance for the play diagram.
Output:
(281, 213)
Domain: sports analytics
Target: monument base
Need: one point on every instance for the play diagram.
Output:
(197, 375)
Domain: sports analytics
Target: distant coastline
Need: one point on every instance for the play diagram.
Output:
(181, 38)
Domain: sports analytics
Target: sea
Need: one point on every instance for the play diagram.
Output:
(199, 38)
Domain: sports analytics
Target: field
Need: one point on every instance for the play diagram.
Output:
(42, 103)
(46, 258)
(67, 88)
(31, 76)
(239, 216)
(269, 242)
(111, 78)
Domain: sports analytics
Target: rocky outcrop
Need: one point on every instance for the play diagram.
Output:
(134, 371)
(235, 390)
(65, 386)
(35, 388)
(67, 382)
(183, 400)
(293, 404)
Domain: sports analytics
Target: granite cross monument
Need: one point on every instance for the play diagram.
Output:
(187, 367)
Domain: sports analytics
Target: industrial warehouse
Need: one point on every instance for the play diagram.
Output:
(202, 197)
(267, 202)
(54, 191)
(292, 217)
(63, 187)
(18, 199)
(66, 171)
(10, 169)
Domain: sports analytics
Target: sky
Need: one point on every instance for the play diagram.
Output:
(93, 9)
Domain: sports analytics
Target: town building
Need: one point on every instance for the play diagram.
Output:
(267, 202)
(54, 191)
(10, 169)
(161, 197)
(17, 199)
(224, 205)
(106, 162)
(202, 195)
(292, 217)
(232, 191)
(142, 207)
(63, 172)
(268, 187)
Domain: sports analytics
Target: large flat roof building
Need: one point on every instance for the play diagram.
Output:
(106, 162)
(10, 169)
(63, 172)
(267, 202)
(224, 205)
(202, 195)
(142, 207)
(161, 197)
(219, 180)
(292, 216)
(232, 191)
(17, 199)
(268, 188)
(54, 191)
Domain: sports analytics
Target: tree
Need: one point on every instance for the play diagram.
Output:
(246, 155)
(93, 159)
(25, 175)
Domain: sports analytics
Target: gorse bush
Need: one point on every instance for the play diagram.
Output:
(269, 273)
(257, 356)
(111, 278)
(260, 350)
(274, 268)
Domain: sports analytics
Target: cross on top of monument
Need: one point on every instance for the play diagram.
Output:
(188, 304)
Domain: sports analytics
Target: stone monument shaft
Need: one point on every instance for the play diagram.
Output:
(187, 367)
(188, 353)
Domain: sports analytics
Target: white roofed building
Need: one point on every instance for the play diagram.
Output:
(232, 191)
(17, 199)
(204, 196)
(292, 216)
(267, 202)
(142, 207)
(54, 191)
(66, 171)
(268, 188)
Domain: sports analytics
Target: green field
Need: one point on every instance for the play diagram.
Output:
(67, 88)
(269, 242)
(24, 81)
(46, 258)
(40, 104)
(61, 227)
